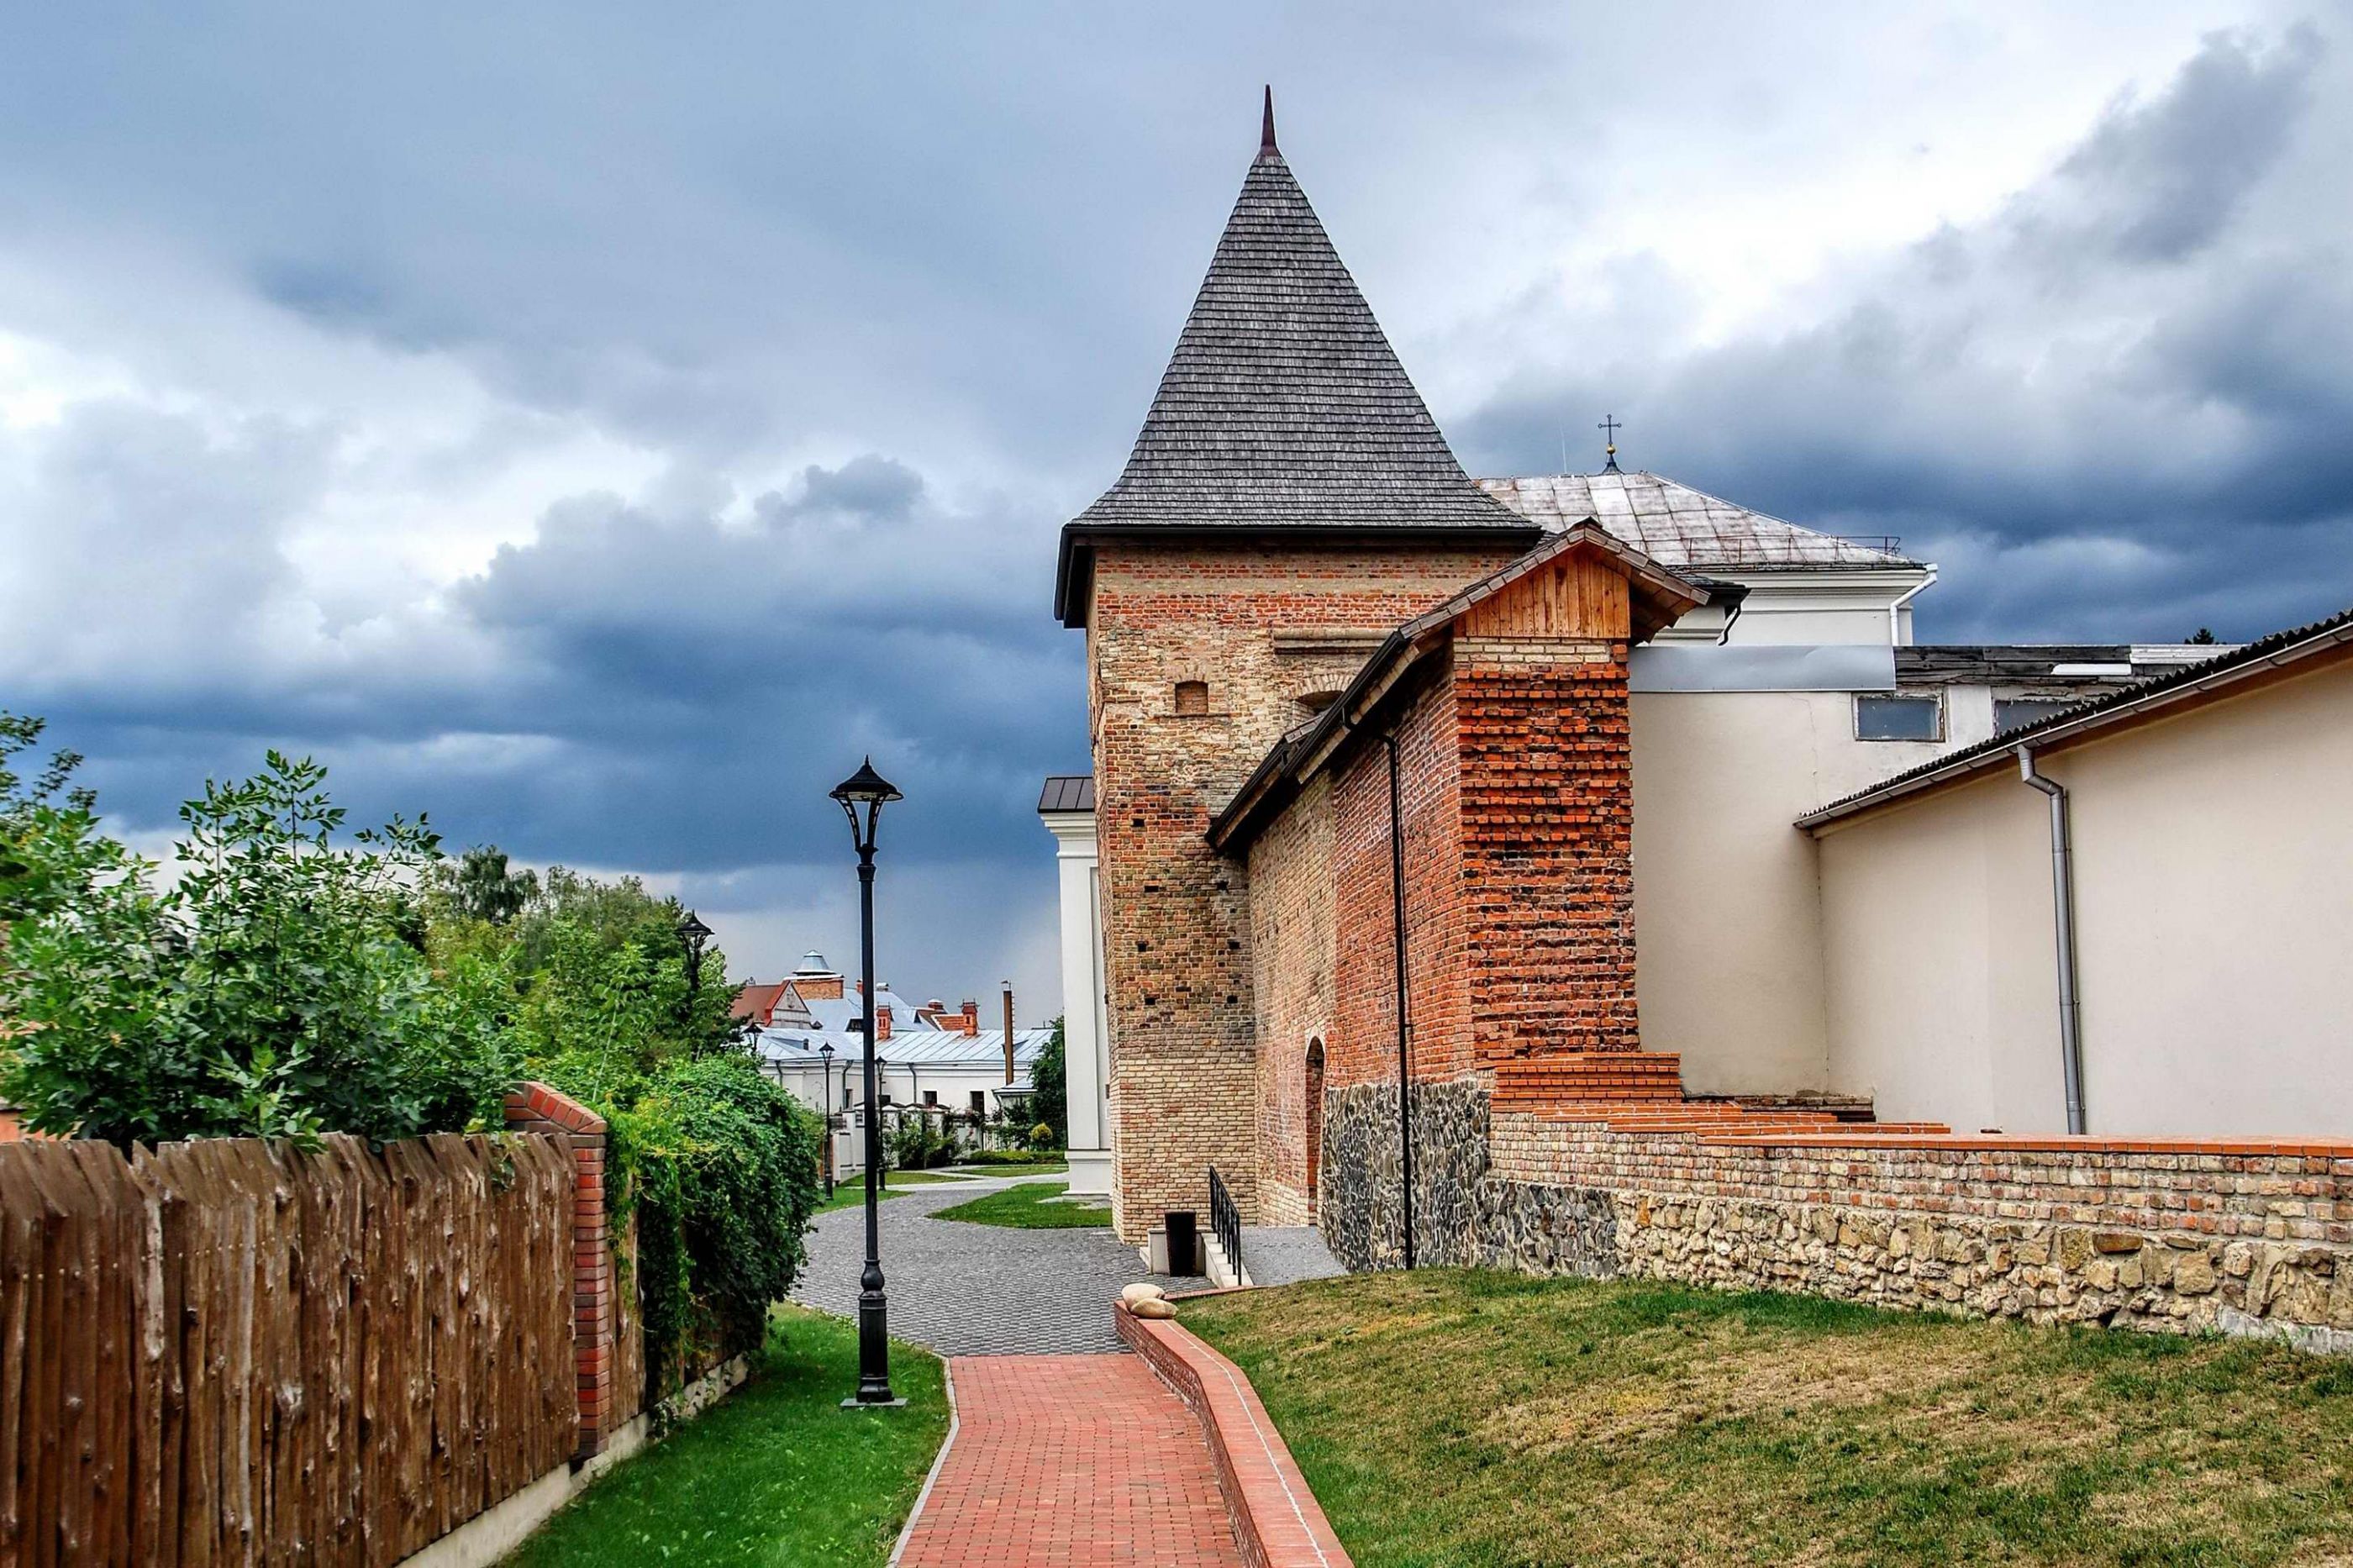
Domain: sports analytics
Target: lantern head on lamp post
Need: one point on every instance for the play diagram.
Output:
(694, 935)
(863, 795)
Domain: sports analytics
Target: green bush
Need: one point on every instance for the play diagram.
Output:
(920, 1143)
(1011, 1157)
(276, 989)
(718, 1166)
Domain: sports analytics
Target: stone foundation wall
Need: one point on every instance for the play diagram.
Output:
(2179, 1238)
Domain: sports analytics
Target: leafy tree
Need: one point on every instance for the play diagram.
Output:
(2204, 637)
(609, 917)
(479, 886)
(269, 992)
(1050, 1080)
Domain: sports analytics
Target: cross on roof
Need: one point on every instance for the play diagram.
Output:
(1609, 426)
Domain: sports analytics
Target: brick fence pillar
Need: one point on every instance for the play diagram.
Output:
(537, 1108)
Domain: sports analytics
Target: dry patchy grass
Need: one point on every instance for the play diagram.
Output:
(1473, 1418)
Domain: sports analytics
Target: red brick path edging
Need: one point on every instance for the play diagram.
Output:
(1275, 1516)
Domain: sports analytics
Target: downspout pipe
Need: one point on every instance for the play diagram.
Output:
(1405, 1062)
(1895, 609)
(2063, 902)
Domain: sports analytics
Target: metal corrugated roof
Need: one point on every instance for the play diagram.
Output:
(1676, 525)
(915, 1048)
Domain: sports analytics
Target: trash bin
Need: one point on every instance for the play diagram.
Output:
(1184, 1241)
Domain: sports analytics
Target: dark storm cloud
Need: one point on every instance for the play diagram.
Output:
(2118, 406)
(808, 327)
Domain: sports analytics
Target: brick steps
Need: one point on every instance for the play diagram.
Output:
(1642, 1091)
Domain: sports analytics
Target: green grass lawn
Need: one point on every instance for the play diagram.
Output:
(1027, 1168)
(778, 1474)
(852, 1192)
(1027, 1207)
(1473, 1418)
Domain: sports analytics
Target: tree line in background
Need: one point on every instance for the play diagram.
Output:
(294, 979)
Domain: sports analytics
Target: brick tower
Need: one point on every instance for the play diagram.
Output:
(1287, 502)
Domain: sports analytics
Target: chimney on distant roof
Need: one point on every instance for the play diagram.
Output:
(1009, 1030)
(882, 1022)
(971, 1019)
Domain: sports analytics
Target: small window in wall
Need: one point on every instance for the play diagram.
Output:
(979, 1103)
(931, 1097)
(1192, 698)
(886, 1099)
(2017, 712)
(1905, 716)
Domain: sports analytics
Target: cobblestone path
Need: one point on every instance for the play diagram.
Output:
(1059, 1461)
(975, 1290)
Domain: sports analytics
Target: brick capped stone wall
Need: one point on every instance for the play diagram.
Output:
(2179, 1236)
(1514, 797)
(1244, 622)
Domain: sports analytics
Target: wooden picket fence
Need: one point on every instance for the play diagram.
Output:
(231, 1351)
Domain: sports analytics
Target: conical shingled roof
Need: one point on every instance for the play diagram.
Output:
(1283, 408)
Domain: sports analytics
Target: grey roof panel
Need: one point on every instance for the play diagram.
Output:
(1068, 792)
(2295, 643)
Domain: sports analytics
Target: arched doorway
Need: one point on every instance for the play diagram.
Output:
(1314, 1088)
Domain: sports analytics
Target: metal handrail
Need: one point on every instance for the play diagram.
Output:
(1226, 1220)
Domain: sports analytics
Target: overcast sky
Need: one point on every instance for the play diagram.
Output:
(600, 425)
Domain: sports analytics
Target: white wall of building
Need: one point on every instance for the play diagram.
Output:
(2214, 892)
(1813, 608)
(1727, 910)
(1086, 1022)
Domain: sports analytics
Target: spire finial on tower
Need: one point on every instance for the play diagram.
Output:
(1266, 125)
(1609, 426)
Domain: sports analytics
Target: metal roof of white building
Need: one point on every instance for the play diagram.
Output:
(1677, 526)
(912, 1048)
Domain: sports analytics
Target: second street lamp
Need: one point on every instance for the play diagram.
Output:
(825, 1108)
(862, 796)
(694, 935)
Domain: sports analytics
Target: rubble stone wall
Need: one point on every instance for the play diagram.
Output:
(2236, 1238)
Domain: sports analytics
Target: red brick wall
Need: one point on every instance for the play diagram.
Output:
(537, 1108)
(1363, 1045)
(1547, 843)
(1292, 957)
(1175, 915)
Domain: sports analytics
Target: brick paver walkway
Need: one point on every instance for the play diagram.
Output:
(1065, 1460)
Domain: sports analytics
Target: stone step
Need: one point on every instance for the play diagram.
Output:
(1220, 1270)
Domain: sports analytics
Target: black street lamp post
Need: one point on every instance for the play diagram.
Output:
(825, 1108)
(868, 791)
